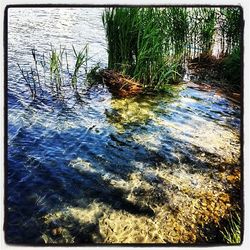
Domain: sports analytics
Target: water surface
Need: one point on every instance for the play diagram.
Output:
(151, 169)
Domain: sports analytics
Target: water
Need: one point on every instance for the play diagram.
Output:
(111, 170)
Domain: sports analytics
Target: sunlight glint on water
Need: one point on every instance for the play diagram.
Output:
(130, 170)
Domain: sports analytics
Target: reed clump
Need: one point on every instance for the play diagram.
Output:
(151, 44)
(232, 232)
(138, 47)
(229, 20)
(55, 69)
(55, 73)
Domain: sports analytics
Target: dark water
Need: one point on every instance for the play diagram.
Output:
(77, 158)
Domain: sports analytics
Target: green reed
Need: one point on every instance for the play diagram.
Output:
(232, 233)
(81, 59)
(55, 66)
(230, 27)
(26, 77)
(138, 44)
(176, 28)
(201, 30)
(57, 73)
(121, 26)
(150, 44)
(33, 51)
(207, 28)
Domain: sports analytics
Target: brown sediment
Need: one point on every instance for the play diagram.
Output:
(119, 84)
(183, 204)
(186, 203)
(218, 89)
(184, 198)
(199, 86)
(208, 67)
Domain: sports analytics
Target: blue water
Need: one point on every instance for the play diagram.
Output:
(63, 153)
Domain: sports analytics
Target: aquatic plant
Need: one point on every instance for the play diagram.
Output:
(57, 73)
(150, 44)
(35, 60)
(230, 27)
(121, 26)
(138, 45)
(81, 58)
(232, 233)
(93, 75)
(27, 81)
(201, 30)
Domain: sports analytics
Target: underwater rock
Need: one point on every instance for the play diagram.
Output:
(82, 166)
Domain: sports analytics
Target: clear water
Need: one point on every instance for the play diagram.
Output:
(106, 169)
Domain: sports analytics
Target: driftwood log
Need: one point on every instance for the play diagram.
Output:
(119, 84)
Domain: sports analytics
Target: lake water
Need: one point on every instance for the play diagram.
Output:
(151, 169)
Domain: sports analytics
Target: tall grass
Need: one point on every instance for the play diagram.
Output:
(176, 28)
(230, 27)
(150, 44)
(232, 233)
(122, 32)
(57, 73)
(55, 66)
(202, 25)
(81, 59)
(138, 44)
(207, 28)
(33, 51)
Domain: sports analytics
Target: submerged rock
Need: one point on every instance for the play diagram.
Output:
(82, 166)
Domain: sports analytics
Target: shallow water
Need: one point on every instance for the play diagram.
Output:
(143, 169)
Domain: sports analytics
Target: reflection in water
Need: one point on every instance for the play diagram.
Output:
(155, 169)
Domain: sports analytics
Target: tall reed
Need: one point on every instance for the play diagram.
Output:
(81, 59)
(176, 28)
(232, 233)
(27, 81)
(138, 44)
(122, 32)
(230, 28)
(207, 28)
(201, 30)
(57, 73)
